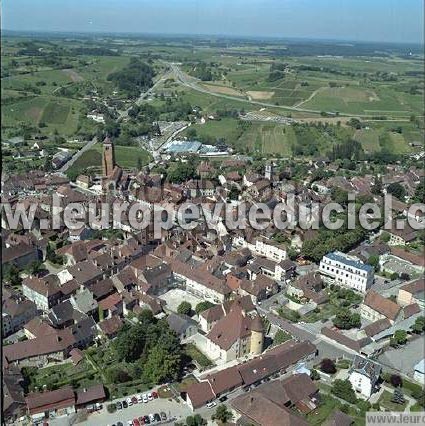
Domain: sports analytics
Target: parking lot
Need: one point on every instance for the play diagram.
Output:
(176, 411)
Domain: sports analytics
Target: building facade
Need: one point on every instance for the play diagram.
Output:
(346, 271)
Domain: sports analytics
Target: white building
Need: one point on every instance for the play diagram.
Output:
(263, 247)
(346, 271)
(364, 375)
(99, 118)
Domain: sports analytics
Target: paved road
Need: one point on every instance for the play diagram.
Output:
(326, 347)
(77, 155)
(193, 83)
(145, 94)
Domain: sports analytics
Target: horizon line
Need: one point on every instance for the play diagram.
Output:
(236, 36)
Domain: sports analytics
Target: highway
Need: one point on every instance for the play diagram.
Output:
(145, 94)
(193, 84)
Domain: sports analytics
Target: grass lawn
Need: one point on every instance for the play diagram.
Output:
(326, 408)
(196, 355)
(386, 403)
(288, 314)
(54, 377)
(416, 407)
(186, 382)
(281, 337)
(343, 363)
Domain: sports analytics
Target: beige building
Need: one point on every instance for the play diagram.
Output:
(413, 292)
(236, 335)
(376, 307)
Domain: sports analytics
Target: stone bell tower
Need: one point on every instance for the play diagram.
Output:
(108, 157)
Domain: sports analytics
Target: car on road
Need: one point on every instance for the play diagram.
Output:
(163, 415)
(223, 398)
(211, 404)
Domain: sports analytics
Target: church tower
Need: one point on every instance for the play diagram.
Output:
(108, 157)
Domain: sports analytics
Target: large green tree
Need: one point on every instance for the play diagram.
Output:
(161, 365)
(345, 319)
(344, 390)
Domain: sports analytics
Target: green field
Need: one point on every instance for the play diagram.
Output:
(125, 156)
(368, 138)
(55, 113)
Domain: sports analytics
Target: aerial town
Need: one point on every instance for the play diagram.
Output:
(185, 318)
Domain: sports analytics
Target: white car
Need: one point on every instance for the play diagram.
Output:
(150, 397)
(140, 398)
(211, 405)
(151, 417)
(145, 398)
(129, 402)
(130, 422)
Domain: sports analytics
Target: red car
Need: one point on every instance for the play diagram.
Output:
(134, 400)
(155, 394)
(136, 422)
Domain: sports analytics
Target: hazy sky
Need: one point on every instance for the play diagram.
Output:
(377, 20)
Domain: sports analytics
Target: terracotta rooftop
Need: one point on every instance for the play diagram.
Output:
(380, 304)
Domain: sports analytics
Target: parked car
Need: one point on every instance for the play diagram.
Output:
(147, 420)
(150, 397)
(211, 404)
(134, 400)
(145, 398)
(119, 424)
(140, 398)
(163, 415)
(155, 394)
(151, 417)
(141, 420)
(157, 417)
(119, 405)
(124, 404)
(129, 402)
(136, 422)
(223, 398)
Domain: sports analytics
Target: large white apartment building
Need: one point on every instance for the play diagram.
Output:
(346, 271)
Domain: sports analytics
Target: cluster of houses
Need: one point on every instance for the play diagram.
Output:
(102, 280)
